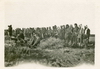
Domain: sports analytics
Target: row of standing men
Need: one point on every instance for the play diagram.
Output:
(76, 35)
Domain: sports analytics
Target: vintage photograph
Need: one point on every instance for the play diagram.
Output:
(52, 33)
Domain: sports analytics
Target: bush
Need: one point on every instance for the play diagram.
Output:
(51, 43)
(13, 54)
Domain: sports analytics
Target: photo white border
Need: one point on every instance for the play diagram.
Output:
(97, 36)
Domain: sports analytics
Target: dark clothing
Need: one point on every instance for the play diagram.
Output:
(21, 36)
(86, 37)
(88, 33)
(10, 30)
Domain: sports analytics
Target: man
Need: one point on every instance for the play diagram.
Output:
(44, 33)
(75, 34)
(20, 37)
(17, 30)
(10, 30)
(54, 31)
(62, 32)
(80, 35)
(67, 26)
(49, 32)
(68, 32)
(36, 39)
(86, 35)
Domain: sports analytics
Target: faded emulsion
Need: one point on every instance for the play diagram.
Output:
(56, 46)
(51, 33)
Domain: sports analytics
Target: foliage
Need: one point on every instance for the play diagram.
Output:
(50, 52)
(51, 43)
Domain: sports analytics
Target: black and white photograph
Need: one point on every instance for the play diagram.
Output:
(51, 33)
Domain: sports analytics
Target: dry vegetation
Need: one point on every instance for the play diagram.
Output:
(50, 52)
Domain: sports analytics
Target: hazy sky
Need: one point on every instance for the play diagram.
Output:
(43, 13)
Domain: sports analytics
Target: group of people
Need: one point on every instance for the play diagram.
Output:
(72, 35)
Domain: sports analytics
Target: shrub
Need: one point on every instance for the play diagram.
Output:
(51, 43)
(13, 54)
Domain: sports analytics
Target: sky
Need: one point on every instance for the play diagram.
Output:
(44, 13)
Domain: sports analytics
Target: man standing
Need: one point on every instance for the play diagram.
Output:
(75, 34)
(62, 32)
(68, 35)
(10, 30)
(86, 35)
(80, 35)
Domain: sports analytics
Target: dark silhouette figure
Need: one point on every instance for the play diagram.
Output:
(10, 30)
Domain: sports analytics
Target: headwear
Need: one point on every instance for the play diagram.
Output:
(75, 24)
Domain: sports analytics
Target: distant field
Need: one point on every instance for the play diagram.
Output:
(92, 38)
